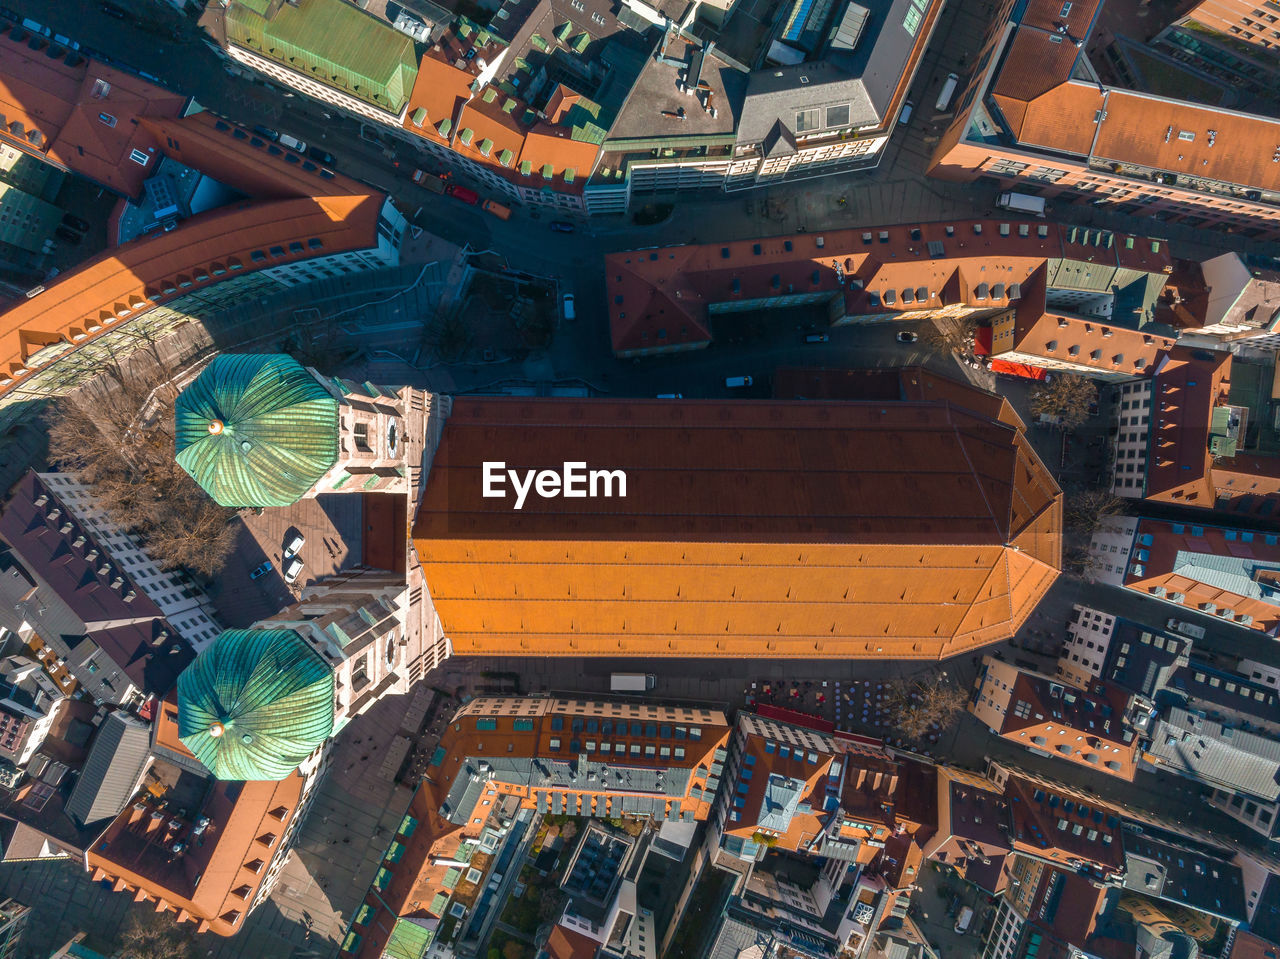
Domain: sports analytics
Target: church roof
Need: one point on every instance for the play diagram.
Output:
(255, 704)
(256, 430)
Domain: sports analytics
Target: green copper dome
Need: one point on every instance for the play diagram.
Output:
(256, 430)
(255, 704)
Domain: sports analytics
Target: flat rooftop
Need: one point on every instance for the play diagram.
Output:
(655, 100)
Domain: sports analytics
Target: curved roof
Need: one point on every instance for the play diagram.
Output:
(256, 430)
(255, 704)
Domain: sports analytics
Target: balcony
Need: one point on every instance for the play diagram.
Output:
(1184, 182)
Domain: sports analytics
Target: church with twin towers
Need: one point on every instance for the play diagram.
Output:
(908, 519)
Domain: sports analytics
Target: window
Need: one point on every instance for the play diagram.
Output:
(808, 120)
(838, 116)
(107, 118)
(138, 157)
(486, 724)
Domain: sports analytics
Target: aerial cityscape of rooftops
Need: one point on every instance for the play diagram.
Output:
(640, 479)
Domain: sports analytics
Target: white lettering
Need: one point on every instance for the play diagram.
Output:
(522, 489)
(575, 481)
(548, 484)
(493, 477)
(607, 478)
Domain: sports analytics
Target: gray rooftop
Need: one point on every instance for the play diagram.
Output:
(779, 803)
(863, 79)
(1148, 663)
(643, 790)
(1205, 749)
(113, 771)
(1180, 871)
(655, 98)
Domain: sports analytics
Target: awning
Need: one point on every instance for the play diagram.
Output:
(982, 341)
(1019, 369)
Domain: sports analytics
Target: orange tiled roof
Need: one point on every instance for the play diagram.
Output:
(441, 89)
(755, 528)
(214, 881)
(120, 283)
(77, 113)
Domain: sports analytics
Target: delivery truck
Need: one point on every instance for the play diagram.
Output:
(947, 92)
(462, 193)
(632, 682)
(428, 180)
(1021, 203)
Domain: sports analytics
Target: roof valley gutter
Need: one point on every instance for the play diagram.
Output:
(1097, 131)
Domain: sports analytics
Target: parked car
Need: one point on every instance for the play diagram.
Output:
(566, 302)
(905, 116)
(464, 194)
(320, 156)
(733, 382)
(71, 236)
(112, 10)
(294, 546)
(817, 338)
(267, 132)
(907, 337)
(293, 143)
(560, 226)
(73, 221)
(261, 570)
(293, 569)
(670, 396)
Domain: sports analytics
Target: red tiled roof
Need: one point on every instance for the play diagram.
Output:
(659, 298)
(565, 943)
(686, 564)
(83, 111)
(1188, 384)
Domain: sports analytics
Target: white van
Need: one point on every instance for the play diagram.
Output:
(293, 143)
(947, 92)
(905, 116)
(567, 301)
(734, 382)
(1021, 203)
(963, 920)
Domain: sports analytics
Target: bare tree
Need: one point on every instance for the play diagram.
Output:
(118, 436)
(1084, 511)
(950, 334)
(1067, 397)
(916, 704)
(153, 936)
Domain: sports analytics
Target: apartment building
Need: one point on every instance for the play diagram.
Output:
(304, 223)
(30, 702)
(570, 757)
(77, 611)
(1201, 432)
(1220, 571)
(1233, 297)
(75, 114)
(1036, 116)
(1046, 909)
(14, 917)
(1057, 297)
(1088, 639)
(1099, 725)
(864, 580)
(181, 599)
(1234, 41)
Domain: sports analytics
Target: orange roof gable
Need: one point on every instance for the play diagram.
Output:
(441, 89)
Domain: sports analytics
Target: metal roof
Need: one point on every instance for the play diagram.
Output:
(409, 940)
(1206, 749)
(255, 704)
(113, 770)
(256, 430)
(334, 43)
